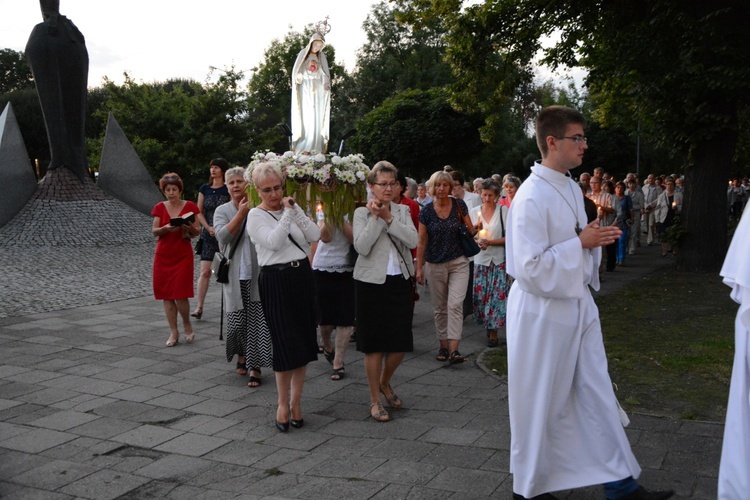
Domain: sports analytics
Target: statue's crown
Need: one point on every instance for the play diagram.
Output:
(322, 27)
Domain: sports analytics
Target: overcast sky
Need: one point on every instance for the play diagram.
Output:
(154, 40)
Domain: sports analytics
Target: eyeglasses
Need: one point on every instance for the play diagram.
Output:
(385, 185)
(576, 138)
(271, 189)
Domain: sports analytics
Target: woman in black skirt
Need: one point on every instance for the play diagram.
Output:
(282, 234)
(383, 235)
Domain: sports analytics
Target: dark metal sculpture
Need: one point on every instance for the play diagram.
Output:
(57, 54)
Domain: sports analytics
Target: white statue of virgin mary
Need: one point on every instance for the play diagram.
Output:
(311, 99)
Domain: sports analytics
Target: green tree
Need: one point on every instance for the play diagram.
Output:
(15, 72)
(420, 132)
(28, 113)
(179, 125)
(677, 67)
(395, 58)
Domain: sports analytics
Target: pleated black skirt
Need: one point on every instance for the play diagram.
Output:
(335, 298)
(288, 299)
(384, 315)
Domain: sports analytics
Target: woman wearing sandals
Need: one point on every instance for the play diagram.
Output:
(282, 234)
(248, 336)
(383, 235)
(446, 268)
(490, 282)
(333, 270)
(210, 197)
(173, 258)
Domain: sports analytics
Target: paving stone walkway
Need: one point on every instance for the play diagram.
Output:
(92, 405)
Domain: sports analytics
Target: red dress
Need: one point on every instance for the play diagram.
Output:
(173, 259)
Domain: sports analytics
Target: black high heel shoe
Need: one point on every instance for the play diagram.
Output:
(297, 424)
(282, 427)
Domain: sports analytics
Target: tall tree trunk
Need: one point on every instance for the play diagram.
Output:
(705, 205)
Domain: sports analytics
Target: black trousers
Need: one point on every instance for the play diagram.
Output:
(611, 256)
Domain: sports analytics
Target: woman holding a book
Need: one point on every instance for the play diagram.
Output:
(174, 224)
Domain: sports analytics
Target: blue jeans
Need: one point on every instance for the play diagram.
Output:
(622, 245)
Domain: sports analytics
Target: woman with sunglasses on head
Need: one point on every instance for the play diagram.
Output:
(282, 233)
(173, 258)
(384, 234)
(210, 196)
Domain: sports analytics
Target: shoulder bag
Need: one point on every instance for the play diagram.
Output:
(468, 245)
(220, 264)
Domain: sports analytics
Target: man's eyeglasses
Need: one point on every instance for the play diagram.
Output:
(385, 185)
(271, 189)
(578, 139)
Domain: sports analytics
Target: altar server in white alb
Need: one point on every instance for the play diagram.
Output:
(734, 471)
(565, 427)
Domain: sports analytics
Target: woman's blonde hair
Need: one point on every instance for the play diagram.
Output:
(437, 178)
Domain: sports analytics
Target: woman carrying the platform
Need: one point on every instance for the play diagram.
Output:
(282, 234)
(383, 303)
(247, 332)
(333, 268)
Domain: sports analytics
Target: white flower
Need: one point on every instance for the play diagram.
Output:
(320, 158)
(303, 159)
(288, 154)
(270, 156)
(336, 160)
(249, 173)
(360, 176)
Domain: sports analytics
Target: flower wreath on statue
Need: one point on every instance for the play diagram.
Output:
(336, 182)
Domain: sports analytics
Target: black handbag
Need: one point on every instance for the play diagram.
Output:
(468, 245)
(220, 264)
(199, 246)
(220, 267)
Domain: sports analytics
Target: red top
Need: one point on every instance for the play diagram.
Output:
(414, 211)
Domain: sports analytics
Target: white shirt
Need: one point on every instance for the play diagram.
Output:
(269, 232)
(495, 229)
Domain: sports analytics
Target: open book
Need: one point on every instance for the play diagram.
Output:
(182, 220)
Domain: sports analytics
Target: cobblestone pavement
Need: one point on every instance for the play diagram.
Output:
(92, 405)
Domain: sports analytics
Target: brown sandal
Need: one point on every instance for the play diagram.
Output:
(380, 415)
(391, 397)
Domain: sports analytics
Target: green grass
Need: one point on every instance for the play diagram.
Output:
(670, 342)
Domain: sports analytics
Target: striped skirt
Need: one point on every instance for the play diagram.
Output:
(247, 332)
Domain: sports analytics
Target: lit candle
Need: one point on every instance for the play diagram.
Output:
(319, 211)
(482, 234)
(674, 204)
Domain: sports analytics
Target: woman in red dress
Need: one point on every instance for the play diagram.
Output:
(173, 260)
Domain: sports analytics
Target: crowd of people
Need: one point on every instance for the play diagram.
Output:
(500, 249)
(342, 264)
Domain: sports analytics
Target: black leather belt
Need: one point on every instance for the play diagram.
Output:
(280, 267)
